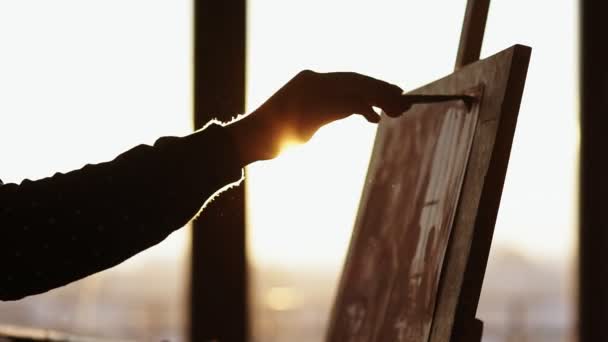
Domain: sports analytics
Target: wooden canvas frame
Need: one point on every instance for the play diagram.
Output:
(502, 77)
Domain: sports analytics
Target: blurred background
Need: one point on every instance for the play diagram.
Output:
(82, 81)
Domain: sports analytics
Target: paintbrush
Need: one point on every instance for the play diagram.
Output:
(414, 99)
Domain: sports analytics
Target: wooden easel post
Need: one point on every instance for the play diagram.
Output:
(471, 36)
(469, 49)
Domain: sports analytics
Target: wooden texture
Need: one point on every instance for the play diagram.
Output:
(397, 286)
(219, 310)
(469, 50)
(504, 76)
(471, 36)
(404, 224)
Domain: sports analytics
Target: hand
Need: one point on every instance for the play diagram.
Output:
(307, 102)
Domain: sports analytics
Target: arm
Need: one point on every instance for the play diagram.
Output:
(63, 228)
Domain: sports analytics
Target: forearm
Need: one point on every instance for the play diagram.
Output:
(256, 140)
(60, 229)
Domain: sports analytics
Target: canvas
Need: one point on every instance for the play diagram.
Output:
(416, 241)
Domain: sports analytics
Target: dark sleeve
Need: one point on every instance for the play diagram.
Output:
(60, 229)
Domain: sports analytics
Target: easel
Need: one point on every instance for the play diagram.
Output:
(469, 50)
(379, 289)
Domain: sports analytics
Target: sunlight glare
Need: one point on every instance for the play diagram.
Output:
(290, 145)
(316, 188)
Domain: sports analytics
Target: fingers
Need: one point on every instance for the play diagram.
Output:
(373, 91)
(369, 114)
(391, 103)
(398, 109)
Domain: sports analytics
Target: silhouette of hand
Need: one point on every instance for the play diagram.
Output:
(309, 101)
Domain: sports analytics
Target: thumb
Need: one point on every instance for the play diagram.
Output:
(368, 112)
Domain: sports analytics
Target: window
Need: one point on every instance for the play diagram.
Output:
(302, 205)
(81, 82)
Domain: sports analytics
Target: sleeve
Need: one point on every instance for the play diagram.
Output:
(63, 228)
